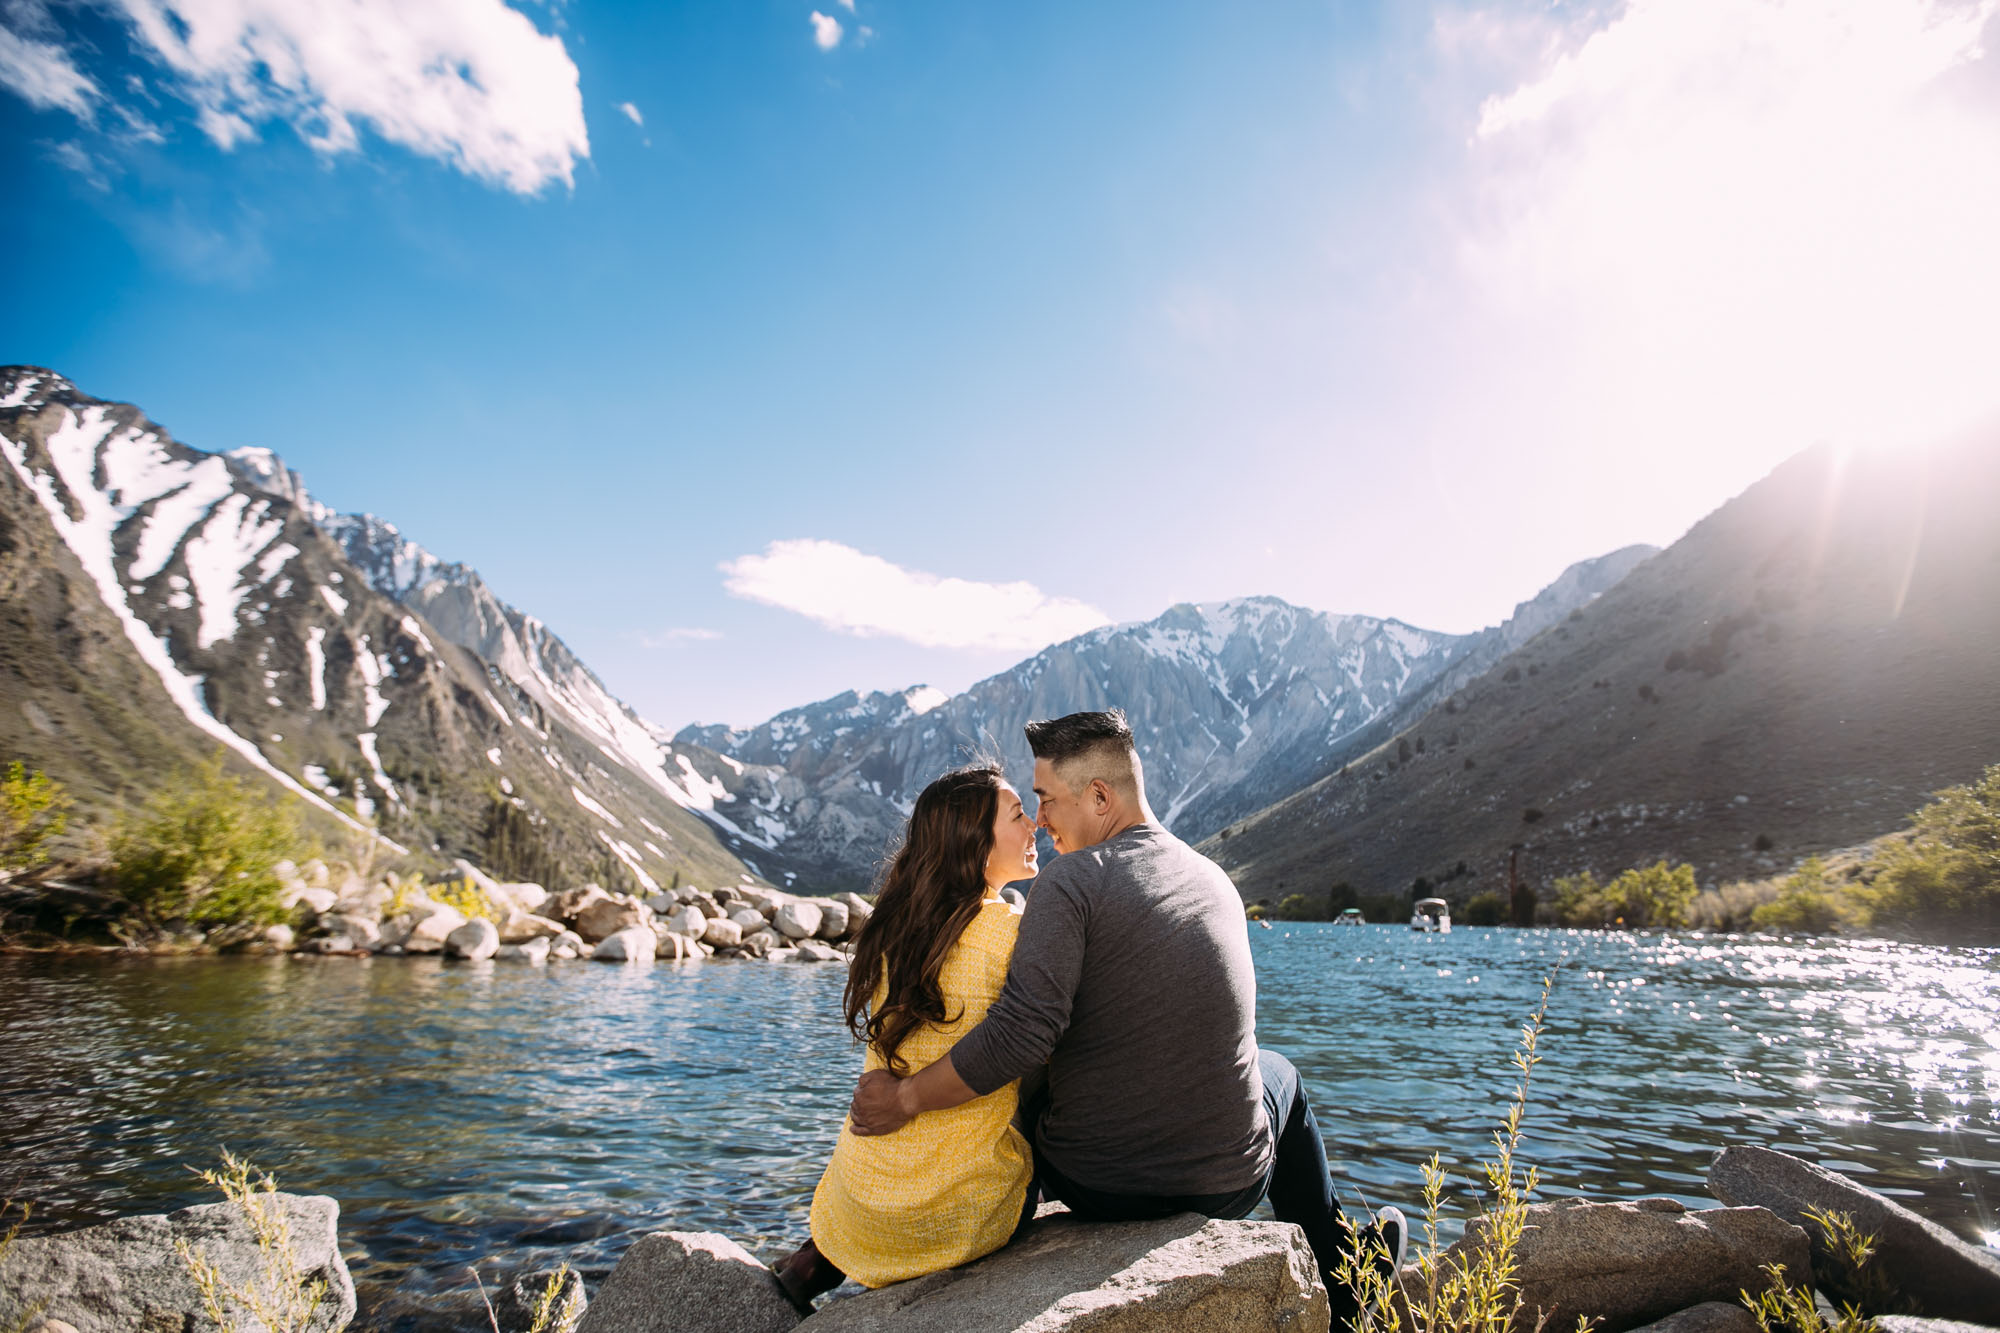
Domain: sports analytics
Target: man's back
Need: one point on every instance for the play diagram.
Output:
(1132, 977)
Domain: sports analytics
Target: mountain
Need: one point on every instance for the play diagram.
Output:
(1234, 705)
(1797, 673)
(157, 601)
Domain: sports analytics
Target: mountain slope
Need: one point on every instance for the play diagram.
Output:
(217, 603)
(1234, 704)
(1796, 673)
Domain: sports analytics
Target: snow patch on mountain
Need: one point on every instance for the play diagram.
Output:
(139, 469)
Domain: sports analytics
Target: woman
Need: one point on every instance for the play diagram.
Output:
(951, 1185)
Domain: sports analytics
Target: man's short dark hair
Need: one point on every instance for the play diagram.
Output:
(1064, 738)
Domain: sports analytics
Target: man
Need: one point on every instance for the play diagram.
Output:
(1132, 980)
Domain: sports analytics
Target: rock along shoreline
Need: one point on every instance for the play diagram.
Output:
(1647, 1265)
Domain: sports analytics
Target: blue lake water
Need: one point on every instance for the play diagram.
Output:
(495, 1114)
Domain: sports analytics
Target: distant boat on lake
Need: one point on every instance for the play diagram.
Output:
(1432, 915)
(1350, 916)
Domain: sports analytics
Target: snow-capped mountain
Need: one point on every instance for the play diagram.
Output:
(397, 693)
(1234, 705)
(388, 689)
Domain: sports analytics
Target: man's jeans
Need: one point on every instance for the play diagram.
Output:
(1299, 1185)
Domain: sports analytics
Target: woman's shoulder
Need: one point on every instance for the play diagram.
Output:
(994, 926)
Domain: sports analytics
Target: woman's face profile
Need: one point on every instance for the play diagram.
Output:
(1013, 854)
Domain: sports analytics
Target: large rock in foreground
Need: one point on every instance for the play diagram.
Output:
(127, 1275)
(1182, 1274)
(1934, 1272)
(1629, 1264)
(689, 1282)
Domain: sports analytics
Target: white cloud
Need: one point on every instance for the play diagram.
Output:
(864, 595)
(847, 5)
(679, 634)
(1729, 220)
(469, 82)
(826, 31)
(43, 74)
(632, 114)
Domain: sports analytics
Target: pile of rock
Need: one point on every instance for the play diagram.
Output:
(530, 924)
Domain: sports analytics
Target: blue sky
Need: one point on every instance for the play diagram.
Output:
(1080, 309)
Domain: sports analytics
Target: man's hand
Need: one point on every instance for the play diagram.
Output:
(880, 1104)
(884, 1103)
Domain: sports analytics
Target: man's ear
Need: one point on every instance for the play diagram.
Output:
(1101, 794)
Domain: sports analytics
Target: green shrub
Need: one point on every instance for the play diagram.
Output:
(1946, 877)
(1809, 902)
(467, 898)
(1485, 909)
(203, 853)
(33, 810)
(1654, 895)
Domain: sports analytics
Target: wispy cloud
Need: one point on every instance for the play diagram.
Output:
(826, 31)
(679, 634)
(855, 593)
(471, 83)
(42, 74)
(632, 114)
(1755, 216)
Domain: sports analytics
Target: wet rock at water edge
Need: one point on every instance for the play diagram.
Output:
(680, 1282)
(533, 952)
(1909, 1323)
(798, 919)
(1933, 1272)
(607, 916)
(634, 944)
(689, 921)
(475, 940)
(720, 933)
(1178, 1273)
(1628, 1264)
(750, 920)
(520, 927)
(832, 919)
(1708, 1317)
(128, 1274)
(365, 934)
(813, 951)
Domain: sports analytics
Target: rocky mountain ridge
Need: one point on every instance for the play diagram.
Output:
(1234, 704)
(397, 693)
(1799, 672)
(229, 607)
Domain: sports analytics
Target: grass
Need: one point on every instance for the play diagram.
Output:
(557, 1309)
(1783, 1308)
(23, 1320)
(279, 1299)
(1476, 1290)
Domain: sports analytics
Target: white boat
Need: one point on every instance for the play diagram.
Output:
(1431, 915)
(1350, 916)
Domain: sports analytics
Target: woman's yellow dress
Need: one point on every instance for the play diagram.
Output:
(947, 1187)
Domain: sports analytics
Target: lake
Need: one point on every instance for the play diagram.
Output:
(497, 1114)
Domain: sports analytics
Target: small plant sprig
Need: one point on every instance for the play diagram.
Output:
(557, 1310)
(278, 1299)
(24, 1318)
(1859, 1286)
(1478, 1290)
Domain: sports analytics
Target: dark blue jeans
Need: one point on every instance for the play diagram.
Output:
(1299, 1186)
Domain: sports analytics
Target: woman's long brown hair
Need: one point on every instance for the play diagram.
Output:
(931, 893)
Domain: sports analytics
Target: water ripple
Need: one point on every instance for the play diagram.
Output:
(493, 1115)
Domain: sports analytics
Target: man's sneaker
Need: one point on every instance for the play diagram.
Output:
(1395, 1232)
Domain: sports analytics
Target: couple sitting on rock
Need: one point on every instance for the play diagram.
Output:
(1127, 976)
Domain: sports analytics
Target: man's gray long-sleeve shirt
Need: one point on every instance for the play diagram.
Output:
(1132, 978)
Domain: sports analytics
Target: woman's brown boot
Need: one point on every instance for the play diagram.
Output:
(804, 1274)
